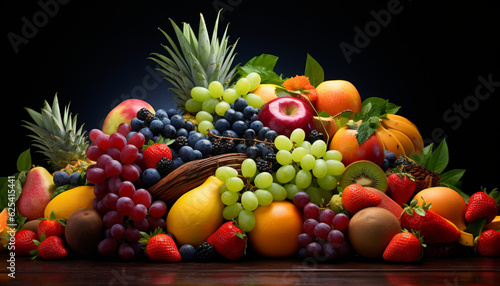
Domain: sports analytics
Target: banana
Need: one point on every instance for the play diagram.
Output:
(408, 129)
(466, 239)
(391, 142)
(405, 141)
(400, 118)
(495, 224)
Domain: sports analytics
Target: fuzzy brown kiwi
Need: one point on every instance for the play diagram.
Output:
(83, 232)
(365, 173)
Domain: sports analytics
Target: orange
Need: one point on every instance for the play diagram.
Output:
(4, 229)
(276, 229)
(266, 91)
(446, 202)
(336, 96)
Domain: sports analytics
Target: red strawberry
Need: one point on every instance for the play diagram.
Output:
(356, 197)
(488, 243)
(404, 247)
(153, 153)
(229, 241)
(400, 187)
(51, 227)
(433, 227)
(51, 247)
(24, 242)
(160, 247)
(481, 205)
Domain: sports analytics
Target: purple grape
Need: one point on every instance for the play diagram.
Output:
(301, 199)
(311, 210)
(321, 231)
(107, 247)
(336, 237)
(326, 216)
(304, 239)
(126, 252)
(124, 206)
(117, 231)
(132, 234)
(330, 252)
(340, 221)
(314, 249)
(111, 218)
(309, 225)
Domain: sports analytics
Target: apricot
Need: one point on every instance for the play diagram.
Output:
(336, 96)
(266, 91)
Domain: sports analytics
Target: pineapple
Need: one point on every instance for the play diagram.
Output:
(198, 62)
(56, 136)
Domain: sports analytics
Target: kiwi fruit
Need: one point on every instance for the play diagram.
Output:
(84, 230)
(31, 225)
(364, 173)
(371, 229)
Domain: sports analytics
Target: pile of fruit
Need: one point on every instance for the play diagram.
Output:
(249, 162)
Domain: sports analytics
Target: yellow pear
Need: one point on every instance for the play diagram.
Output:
(196, 214)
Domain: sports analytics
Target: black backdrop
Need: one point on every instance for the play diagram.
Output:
(439, 61)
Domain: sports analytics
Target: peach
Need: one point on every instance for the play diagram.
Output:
(336, 96)
(266, 91)
(123, 112)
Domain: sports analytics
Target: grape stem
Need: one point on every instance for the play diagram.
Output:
(267, 143)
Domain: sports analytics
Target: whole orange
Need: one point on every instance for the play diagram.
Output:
(276, 229)
(336, 96)
(446, 202)
(266, 91)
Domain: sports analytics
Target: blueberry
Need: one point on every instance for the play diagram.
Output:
(181, 132)
(73, 178)
(255, 116)
(240, 148)
(161, 113)
(177, 121)
(150, 177)
(136, 124)
(249, 134)
(61, 178)
(391, 158)
(262, 133)
(230, 115)
(171, 112)
(240, 103)
(169, 131)
(177, 162)
(266, 150)
(256, 125)
(239, 126)
(214, 132)
(148, 134)
(189, 125)
(184, 153)
(271, 135)
(239, 115)
(230, 133)
(248, 111)
(385, 165)
(204, 146)
(194, 137)
(165, 121)
(156, 126)
(195, 155)
(253, 152)
(222, 125)
(187, 252)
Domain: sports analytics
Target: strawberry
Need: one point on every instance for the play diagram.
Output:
(488, 243)
(154, 152)
(51, 227)
(160, 246)
(356, 197)
(405, 247)
(51, 247)
(229, 241)
(400, 187)
(481, 205)
(433, 227)
(24, 242)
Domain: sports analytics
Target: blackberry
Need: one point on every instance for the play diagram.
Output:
(263, 165)
(205, 253)
(164, 166)
(402, 161)
(143, 113)
(222, 147)
(315, 135)
(179, 142)
(148, 120)
(271, 158)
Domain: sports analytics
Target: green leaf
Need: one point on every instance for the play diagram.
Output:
(476, 226)
(452, 177)
(314, 71)
(265, 60)
(264, 66)
(439, 158)
(365, 130)
(24, 161)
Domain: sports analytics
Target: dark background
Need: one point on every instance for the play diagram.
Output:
(427, 58)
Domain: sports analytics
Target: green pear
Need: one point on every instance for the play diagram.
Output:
(35, 196)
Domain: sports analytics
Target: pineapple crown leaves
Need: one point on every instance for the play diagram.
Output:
(198, 61)
(56, 134)
(420, 210)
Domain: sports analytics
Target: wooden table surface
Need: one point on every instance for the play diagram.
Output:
(470, 270)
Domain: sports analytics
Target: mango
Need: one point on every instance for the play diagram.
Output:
(35, 196)
(197, 213)
(68, 202)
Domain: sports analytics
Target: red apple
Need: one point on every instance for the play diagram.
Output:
(285, 114)
(123, 112)
(346, 143)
